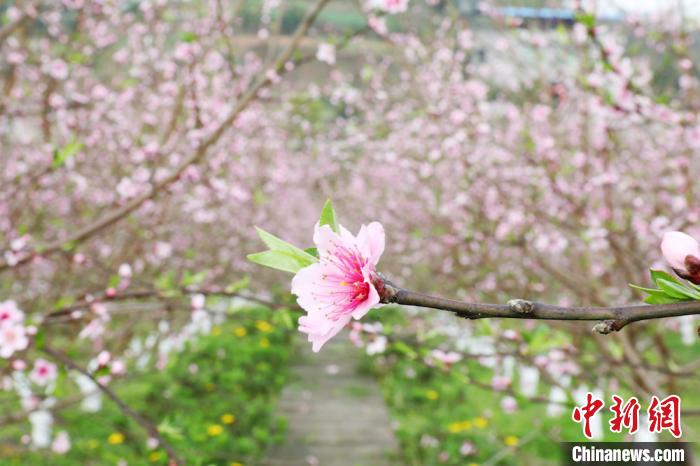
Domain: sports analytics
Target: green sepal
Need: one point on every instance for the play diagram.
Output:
(328, 216)
(277, 244)
(281, 260)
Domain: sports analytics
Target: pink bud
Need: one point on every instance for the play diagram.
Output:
(676, 246)
(103, 358)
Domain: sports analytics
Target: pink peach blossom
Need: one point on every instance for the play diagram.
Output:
(9, 313)
(445, 357)
(61, 443)
(13, 337)
(509, 404)
(44, 372)
(326, 53)
(339, 286)
(389, 6)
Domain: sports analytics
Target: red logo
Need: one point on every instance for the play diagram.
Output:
(662, 414)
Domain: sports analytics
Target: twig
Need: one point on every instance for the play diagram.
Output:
(143, 294)
(152, 430)
(611, 318)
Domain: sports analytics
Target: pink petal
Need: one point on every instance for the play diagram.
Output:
(321, 330)
(676, 246)
(364, 307)
(326, 240)
(370, 241)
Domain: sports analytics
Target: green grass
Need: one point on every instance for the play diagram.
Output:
(221, 414)
(437, 410)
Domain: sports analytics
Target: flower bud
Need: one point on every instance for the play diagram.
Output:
(682, 252)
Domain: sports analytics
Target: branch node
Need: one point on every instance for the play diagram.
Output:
(607, 326)
(387, 291)
(521, 306)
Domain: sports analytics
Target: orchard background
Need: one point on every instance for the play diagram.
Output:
(535, 152)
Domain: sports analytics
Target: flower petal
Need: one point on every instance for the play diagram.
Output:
(364, 307)
(326, 240)
(370, 241)
(321, 330)
(676, 246)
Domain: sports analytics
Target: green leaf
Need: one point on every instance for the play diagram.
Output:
(660, 299)
(281, 260)
(169, 430)
(328, 216)
(165, 281)
(190, 278)
(646, 290)
(277, 244)
(284, 317)
(189, 36)
(40, 338)
(60, 156)
(113, 281)
(402, 347)
(661, 275)
(676, 290)
(587, 19)
(238, 285)
(312, 251)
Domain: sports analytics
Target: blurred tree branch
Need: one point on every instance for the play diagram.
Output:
(152, 430)
(264, 79)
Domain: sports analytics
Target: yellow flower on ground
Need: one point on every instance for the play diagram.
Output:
(511, 441)
(264, 343)
(228, 418)
(235, 463)
(432, 394)
(240, 331)
(472, 464)
(481, 422)
(115, 438)
(154, 456)
(455, 427)
(263, 326)
(460, 426)
(216, 331)
(214, 430)
(92, 443)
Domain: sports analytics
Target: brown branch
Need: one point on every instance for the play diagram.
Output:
(113, 217)
(9, 29)
(611, 318)
(144, 294)
(152, 430)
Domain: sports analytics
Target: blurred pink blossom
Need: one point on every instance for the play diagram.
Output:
(61, 443)
(509, 404)
(44, 372)
(390, 6)
(445, 357)
(9, 313)
(467, 449)
(326, 53)
(13, 337)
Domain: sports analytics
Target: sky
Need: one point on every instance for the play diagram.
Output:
(644, 7)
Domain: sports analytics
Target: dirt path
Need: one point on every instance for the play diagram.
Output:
(335, 416)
